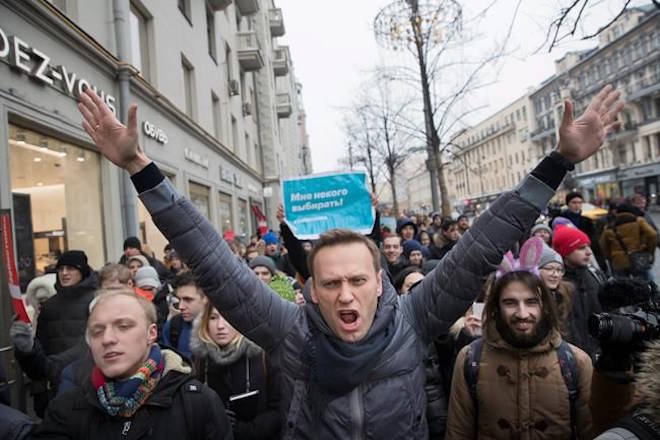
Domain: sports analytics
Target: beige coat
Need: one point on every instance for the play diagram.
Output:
(521, 394)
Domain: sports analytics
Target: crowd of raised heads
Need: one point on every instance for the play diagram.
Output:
(527, 321)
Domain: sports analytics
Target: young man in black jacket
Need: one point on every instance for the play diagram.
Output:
(135, 389)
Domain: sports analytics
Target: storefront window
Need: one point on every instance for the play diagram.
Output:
(57, 198)
(149, 233)
(224, 212)
(199, 195)
(243, 217)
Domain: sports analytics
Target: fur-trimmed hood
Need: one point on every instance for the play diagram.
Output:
(648, 381)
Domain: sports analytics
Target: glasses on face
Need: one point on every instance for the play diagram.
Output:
(554, 270)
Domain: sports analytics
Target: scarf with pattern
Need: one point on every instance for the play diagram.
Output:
(125, 397)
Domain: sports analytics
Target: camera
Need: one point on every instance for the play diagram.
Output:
(633, 313)
(625, 328)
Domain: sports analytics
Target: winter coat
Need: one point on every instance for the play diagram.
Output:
(63, 318)
(647, 395)
(14, 425)
(77, 414)
(231, 379)
(390, 403)
(586, 284)
(635, 233)
(520, 393)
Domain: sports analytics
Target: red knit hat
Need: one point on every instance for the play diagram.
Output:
(566, 239)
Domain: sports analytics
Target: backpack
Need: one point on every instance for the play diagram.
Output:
(194, 408)
(640, 425)
(567, 364)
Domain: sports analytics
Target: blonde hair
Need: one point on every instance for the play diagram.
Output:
(203, 330)
(102, 295)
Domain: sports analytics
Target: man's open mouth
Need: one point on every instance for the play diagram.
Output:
(348, 316)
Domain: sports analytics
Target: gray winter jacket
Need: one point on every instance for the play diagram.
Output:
(391, 403)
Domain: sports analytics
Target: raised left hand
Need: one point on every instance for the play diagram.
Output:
(582, 137)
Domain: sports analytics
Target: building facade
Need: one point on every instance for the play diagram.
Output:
(219, 110)
(628, 57)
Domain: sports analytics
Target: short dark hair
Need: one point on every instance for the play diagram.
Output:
(461, 217)
(184, 278)
(394, 236)
(448, 223)
(573, 195)
(337, 237)
(533, 283)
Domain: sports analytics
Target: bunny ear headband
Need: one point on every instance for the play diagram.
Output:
(530, 255)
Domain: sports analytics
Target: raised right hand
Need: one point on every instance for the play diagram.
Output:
(116, 141)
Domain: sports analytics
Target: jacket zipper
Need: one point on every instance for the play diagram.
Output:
(357, 413)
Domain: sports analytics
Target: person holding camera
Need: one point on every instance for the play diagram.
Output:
(628, 333)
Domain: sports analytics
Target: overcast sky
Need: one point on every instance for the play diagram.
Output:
(333, 47)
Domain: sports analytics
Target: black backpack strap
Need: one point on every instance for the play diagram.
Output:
(471, 371)
(176, 323)
(194, 409)
(569, 372)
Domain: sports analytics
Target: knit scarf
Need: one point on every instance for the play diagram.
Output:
(125, 397)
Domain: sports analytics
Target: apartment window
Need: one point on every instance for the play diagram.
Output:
(257, 158)
(217, 122)
(228, 62)
(248, 153)
(210, 32)
(188, 86)
(59, 4)
(184, 7)
(234, 134)
(138, 24)
(622, 154)
(524, 112)
(518, 115)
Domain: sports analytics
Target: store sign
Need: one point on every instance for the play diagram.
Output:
(226, 175)
(37, 65)
(638, 172)
(196, 158)
(596, 180)
(154, 132)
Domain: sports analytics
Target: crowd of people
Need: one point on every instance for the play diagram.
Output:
(442, 328)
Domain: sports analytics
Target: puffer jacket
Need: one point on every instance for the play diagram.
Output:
(63, 317)
(521, 394)
(283, 329)
(77, 414)
(635, 233)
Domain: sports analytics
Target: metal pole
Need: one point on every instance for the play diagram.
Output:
(121, 10)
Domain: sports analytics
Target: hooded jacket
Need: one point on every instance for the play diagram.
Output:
(635, 233)
(229, 377)
(521, 393)
(283, 329)
(77, 414)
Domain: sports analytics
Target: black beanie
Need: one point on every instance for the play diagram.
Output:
(132, 242)
(77, 259)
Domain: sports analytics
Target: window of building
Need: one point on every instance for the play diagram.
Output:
(234, 135)
(184, 7)
(188, 87)
(57, 200)
(243, 227)
(199, 196)
(622, 154)
(139, 23)
(59, 4)
(217, 115)
(524, 112)
(225, 212)
(248, 152)
(149, 233)
(210, 32)
(257, 158)
(518, 115)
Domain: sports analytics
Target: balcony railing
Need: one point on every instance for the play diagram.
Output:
(276, 22)
(218, 5)
(281, 61)
(247, 7)
(284, 107)
(249, 54)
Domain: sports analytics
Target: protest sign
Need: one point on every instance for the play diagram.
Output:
(315, 204)
(10, 265)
